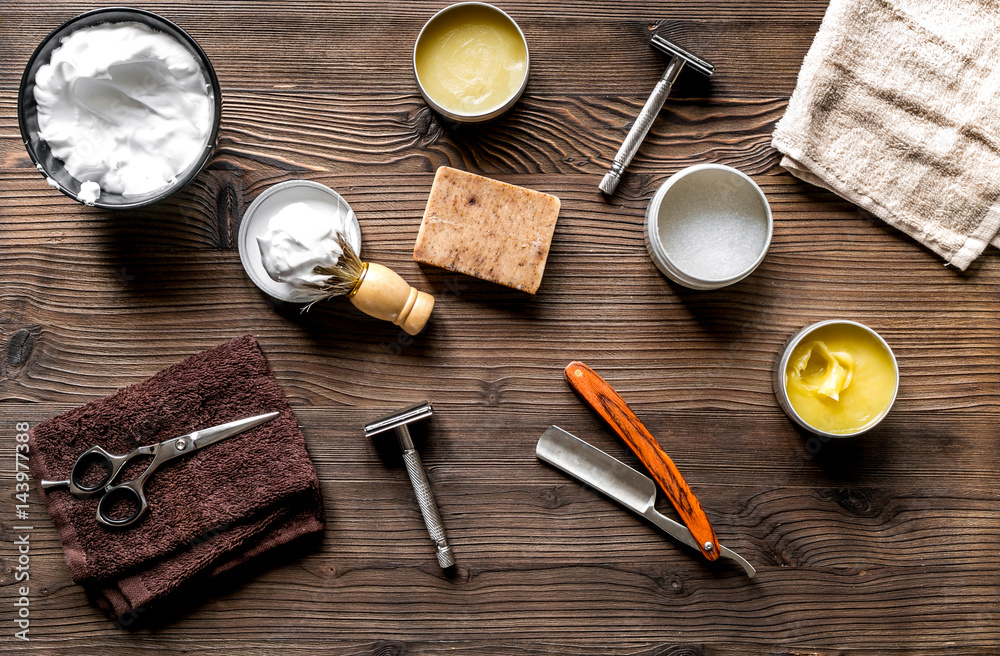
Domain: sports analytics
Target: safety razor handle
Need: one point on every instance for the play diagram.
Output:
(612, 408)
(642, 125)
(428, 507)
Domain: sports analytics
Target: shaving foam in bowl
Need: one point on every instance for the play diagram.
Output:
(120, 138)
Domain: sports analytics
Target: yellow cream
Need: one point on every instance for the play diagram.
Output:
(840, 378)
(471, 59)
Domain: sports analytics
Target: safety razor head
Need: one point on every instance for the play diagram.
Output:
(397, 419)
(674, 50)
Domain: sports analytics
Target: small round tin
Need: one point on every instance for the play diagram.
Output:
(489, 113)
(27, 109)
(781, 392)
(708, 226)
(257, 217)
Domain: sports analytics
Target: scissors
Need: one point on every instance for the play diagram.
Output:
(131, 492)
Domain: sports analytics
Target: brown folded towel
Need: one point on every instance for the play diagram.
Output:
(209, 511)
(896, 110)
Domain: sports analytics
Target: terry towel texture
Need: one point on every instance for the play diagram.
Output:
(209, 511)
(897, 109)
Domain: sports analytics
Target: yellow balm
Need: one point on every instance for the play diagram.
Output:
(471, 60)
(840, 378)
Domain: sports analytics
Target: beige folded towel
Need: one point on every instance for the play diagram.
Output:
(897, 109)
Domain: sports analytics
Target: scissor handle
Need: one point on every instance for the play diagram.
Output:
(95, 455)
(96, 458)
(130, 492)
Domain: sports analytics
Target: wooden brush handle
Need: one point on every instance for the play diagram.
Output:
(384, 295)
(613, 409)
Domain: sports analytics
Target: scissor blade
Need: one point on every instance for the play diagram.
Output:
(204, 437)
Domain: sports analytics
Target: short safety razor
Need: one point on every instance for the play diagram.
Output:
(428, 508)
(678, 59)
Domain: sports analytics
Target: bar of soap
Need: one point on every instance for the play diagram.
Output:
(487, 229)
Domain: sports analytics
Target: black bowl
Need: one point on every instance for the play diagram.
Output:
(27, 110)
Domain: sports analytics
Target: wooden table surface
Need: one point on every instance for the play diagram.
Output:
(886, 543)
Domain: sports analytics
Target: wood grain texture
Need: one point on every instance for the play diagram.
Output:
(317, 46)
(880, 545)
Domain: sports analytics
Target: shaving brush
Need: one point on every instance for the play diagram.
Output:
(375, 290)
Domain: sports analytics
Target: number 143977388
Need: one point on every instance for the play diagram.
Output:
(21, 485)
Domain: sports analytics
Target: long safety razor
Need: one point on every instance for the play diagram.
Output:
(679, 58)
(398, 421)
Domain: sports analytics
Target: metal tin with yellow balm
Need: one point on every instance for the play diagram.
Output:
(471, 62)
(837, 378)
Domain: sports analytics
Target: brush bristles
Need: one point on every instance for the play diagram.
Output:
(342, 277)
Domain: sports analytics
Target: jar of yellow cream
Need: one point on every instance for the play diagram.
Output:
(471, 62)
(837, 378)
